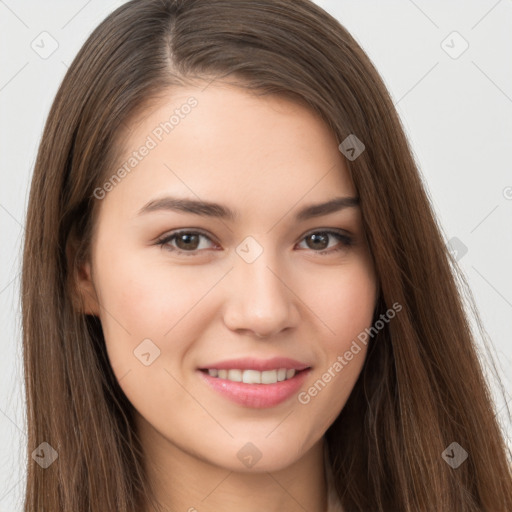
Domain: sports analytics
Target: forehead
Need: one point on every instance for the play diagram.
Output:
(223, 143)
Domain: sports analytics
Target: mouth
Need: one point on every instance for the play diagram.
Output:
(256, 388)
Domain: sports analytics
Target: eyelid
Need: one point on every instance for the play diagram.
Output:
(339, 231)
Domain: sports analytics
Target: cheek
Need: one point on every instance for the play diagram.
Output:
(345, 304)
(143, 301)
(147, 296)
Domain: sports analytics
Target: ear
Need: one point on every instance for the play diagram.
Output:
(85, 290)
(81, 284)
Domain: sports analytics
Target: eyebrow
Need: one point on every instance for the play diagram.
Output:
(210, 209)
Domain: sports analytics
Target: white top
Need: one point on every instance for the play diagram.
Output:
(333, 501)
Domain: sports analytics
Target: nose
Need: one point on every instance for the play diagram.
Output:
(260, 299)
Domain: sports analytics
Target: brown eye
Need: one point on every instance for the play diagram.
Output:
(318, 241)
(187, 241)
(184, 242)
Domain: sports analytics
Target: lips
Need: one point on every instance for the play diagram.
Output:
(262, 384)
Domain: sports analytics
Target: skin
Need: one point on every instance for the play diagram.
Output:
(266, 158)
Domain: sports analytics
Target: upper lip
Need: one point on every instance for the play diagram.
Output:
(251, 363)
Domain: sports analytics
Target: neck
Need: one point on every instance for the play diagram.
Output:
(187, 482)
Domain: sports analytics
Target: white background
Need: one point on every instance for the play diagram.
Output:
(457, 114)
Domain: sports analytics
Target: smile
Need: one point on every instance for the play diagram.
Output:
(263, 390)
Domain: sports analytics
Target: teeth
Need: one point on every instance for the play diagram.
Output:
(269, 377)
(235, 375)
(253, 376)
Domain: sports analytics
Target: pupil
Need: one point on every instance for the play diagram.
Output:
(187, 239)
(323, 239)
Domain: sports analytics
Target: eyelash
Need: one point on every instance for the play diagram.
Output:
(346, 241)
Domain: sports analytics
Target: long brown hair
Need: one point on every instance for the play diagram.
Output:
(422, 386)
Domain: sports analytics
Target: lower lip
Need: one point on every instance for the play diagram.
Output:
(257, 396)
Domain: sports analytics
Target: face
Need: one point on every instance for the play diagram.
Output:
(262, 281)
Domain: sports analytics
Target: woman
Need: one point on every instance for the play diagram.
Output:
(235, 293)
